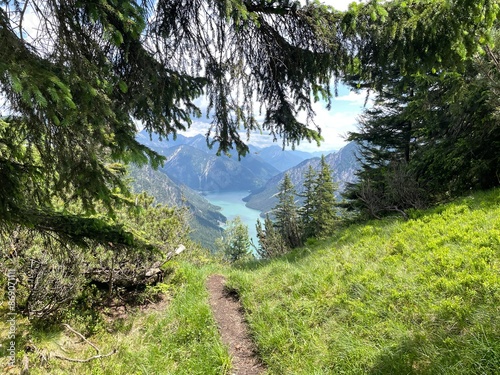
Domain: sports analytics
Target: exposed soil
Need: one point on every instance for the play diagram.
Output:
(232, 326)
(122, 311)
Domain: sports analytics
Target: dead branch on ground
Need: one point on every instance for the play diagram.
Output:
(98, 351)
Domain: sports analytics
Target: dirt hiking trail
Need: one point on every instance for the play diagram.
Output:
(228, 313)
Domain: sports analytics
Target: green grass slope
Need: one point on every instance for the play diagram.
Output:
(387, 297)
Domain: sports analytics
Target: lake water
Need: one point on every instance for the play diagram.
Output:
(232, 205)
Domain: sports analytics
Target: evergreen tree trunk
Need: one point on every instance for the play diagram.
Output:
(307, 210)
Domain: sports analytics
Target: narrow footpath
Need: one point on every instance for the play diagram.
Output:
(228, 313)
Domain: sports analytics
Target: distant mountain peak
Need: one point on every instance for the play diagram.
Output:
(344, 165)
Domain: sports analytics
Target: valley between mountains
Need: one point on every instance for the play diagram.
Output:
(192, 170)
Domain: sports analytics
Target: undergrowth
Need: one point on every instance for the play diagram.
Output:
(176, 336)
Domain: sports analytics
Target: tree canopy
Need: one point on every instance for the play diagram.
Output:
(430, 137)
(76, 76)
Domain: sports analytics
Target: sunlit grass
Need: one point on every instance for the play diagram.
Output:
(386, 297)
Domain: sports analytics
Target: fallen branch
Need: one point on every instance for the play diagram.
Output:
(120, 276)
(84, 360)
(98, 351)
(68, 327)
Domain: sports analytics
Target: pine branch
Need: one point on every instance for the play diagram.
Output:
(81, 230)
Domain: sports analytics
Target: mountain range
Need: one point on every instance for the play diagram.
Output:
(191, 168)
(203, 171)
(343, 163)
(192, 163)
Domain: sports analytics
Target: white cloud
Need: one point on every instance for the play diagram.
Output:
(354, 98)
(196, 128)
(334, 123)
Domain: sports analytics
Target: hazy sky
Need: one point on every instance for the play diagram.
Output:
(334, 123)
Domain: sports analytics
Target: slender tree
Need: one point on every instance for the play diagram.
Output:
(309, 205)
(388, 137)
(235, 244)
(324, 214)
(271, 244)
(286, 214)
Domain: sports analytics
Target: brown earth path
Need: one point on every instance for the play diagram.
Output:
(228, 314)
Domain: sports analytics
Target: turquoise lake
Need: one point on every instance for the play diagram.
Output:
(232, 205)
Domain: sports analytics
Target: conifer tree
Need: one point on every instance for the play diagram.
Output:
(287, 215)
(324, 212)
(429, 137)
(235, 244)
(271, 244)
(309, 195)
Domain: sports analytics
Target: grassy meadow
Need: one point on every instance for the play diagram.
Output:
(385, 297)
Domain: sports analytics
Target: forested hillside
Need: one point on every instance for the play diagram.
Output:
(204, 218)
